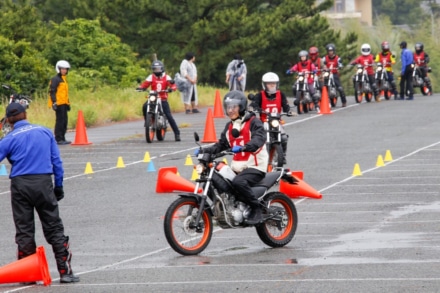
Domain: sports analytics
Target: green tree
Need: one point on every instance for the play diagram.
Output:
(399, 11)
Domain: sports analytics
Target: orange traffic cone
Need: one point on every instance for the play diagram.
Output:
(209, 135)
(218, 108)
(81, 133)
(33, 268)
(298, 189)
(169, 181)
(324, 106)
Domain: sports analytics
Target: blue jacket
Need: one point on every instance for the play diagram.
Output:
(31, 150)
(407, 58)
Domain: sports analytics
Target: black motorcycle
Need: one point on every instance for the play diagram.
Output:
(303, 100)
(155, 120)
(188, 223)
(419, 82)
(13, 97)
(329, 82)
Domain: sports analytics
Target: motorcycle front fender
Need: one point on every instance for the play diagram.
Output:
(198, 198)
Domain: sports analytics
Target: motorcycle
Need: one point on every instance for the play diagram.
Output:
(188, 223)
(382, 82)
(155, 120)
(362, 86)
(272, 125)
(302, 94)
(13, 97)
(329, 82)
(418, 80)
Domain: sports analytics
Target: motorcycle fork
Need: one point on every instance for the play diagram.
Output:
(202, 202)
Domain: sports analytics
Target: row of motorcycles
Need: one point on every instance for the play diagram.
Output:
(362, 86)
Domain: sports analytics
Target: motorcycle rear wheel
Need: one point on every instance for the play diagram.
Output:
(279, 231)
(180, 234)
(150, 125)
(425, 90)
(275, 157)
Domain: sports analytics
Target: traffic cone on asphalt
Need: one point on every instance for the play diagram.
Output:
(298, 189)
(218, 108)
(209, 135)
(357, 170)
(147, 157)
(33, 268)
(88, 169)
(120, 163)
(81, 133)
(168, 181)
(325, 102)
(188, 161)
(150, 167)
(388, 156)
(380, 162)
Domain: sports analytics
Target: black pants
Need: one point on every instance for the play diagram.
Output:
(36, 192)
(406, 79)
(61, 123)
(339, 87)
(243, 183)
(167, 111)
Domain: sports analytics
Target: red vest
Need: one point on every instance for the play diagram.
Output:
(305, 67)
(385, 59)
(367, 62)
(419, 59)
(159, 84)
(332, 63)
(271, 106)
(241, 140)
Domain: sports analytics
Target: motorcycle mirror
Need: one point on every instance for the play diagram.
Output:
(196, 137)
(251, 97)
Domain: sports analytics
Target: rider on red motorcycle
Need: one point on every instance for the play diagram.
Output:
(306, 66)
(421, 58)
(367, 60)
(271, 99)
(163, 84)
(333, 62)
(388, 59)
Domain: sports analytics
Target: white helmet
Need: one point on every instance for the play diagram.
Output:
(365, 49)
(61, 64)
(270, 77)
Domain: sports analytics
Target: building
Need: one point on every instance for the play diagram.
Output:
(361, 9)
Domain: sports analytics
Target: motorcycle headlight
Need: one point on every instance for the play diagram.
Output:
(152, 98)
(378, 69)
(275, 123)
(359, 71)
(326, 74)
(412, 65)
(200, 168)
(301, 78)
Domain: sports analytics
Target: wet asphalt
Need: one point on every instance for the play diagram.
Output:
(376, 232)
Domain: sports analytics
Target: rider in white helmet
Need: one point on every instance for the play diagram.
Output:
(59, 100)
(272, 100)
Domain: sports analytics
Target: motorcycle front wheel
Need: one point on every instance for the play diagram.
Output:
(358, 94)
(149, 127)
(180, 230)
(275, 157)
(161, 129)
(279, 230)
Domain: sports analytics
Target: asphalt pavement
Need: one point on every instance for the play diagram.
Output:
(378, 231)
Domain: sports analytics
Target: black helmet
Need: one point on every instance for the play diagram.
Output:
(235, 98)
(402, 44)
(330, 47)
(418, 47)
(158, 68)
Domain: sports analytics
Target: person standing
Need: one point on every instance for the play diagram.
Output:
(188, 70)
(236, 74)
(407, 59)
(34, 156)
(161, 82)
(59, 100)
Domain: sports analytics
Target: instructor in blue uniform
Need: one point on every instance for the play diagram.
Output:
(34, 155)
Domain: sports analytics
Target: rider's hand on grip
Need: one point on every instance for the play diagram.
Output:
(197, 152)
(237, 149)
(139, 89)
(170, 90)
(288, 72)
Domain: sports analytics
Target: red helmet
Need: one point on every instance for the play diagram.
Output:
(385, 46)
(313, 53)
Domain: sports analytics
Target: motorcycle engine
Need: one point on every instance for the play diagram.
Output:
(235, 211)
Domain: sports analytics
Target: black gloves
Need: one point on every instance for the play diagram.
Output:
(170, 90)
(59, 192)
(54, 106)
(68, 108)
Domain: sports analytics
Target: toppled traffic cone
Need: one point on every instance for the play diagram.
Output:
(81, 133)
(218, 107)
(33, 268)
(169, 181)
(298, 188)
(209, 135)
(325, 104)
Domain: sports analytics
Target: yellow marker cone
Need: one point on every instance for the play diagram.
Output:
(120, 163)
(188, 161)
(388, 157)
(89, 169)
(380, 162)
(147, 158)
(194, 175)
(225, 161)
(357, 170)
